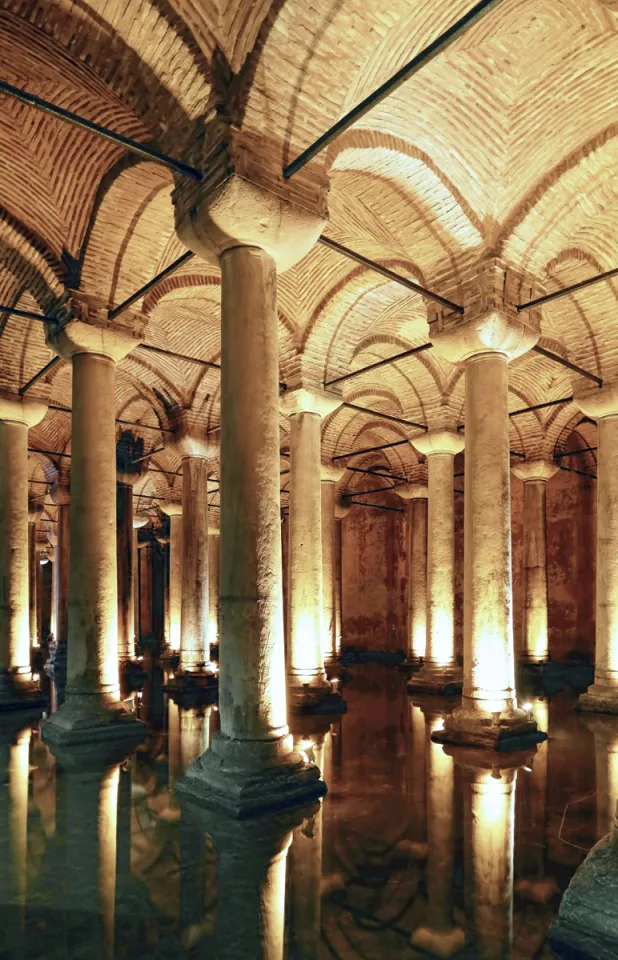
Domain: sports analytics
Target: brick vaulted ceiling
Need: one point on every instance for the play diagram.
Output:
(506, 143)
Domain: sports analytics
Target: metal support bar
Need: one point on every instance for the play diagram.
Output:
(425, 56)
(50, 453)
(134, 146)
(389, 274)
(380, 363)
(173, 267)
(540, 406)
(356, 453)
(574, 453)
(377, 473)
(567, 290)
(27, 314)
(580, 473)
(365, 493)
(384, 416)
(376, 506)
(178, 356)
(48, 366)
(147, 456)
(567, 363)
(458, 491)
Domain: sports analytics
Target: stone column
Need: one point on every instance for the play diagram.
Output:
(213, 583)
(34, 515)
(306, 677)
(194, 649)
(440, 673)
(61, 496)
(342, 508)
(126, 572)
(602, 405)
(331, 475)
(93, 710)
(438, 935)
(174, 512)
(138, 523)
(16, 417)
(146, 576)
(164, 542)
(535, 633)
(485, 343)
(252, 233)
(416, 494)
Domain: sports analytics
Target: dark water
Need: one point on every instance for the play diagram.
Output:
(411, 848)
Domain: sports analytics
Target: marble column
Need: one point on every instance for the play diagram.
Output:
(416, 494)
(146, 583)
(138, 523)
(213, 583)
(251, 763)
(16, 417)
(438, 934)
(61, 496)
(306, 676)
(93, 709)
(34, 515)
(489, 712)
(342, 508)
(194, 647)
(602, 405)
(125, 570)
(174, 512)
(535, 627)
(331, 475)
(440, 673)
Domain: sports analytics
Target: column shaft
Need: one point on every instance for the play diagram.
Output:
(32, 584)
(417, 580)
(606, 655)
(136, 579)
(338, 587)
(535, 625)
(194, 650)
(440, 650)
(124, 558)
(489, 672)
(305, 657)
(14, 618)
(175, 580)
(213, 589)
(61, 572)
(329, 639)
(146, 622)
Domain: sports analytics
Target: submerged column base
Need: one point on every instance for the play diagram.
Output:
(91, 719)
(432, 678)
(189, 689)
(18, 693)
(244, 777)
(599, 698)
(503, 731)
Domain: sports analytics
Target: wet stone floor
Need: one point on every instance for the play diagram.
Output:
(415, 852)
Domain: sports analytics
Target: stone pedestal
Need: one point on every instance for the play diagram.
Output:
(16, 686)
(602, 405)
(440, 673)
(93, 710)
(416, 494)
(535, 633)
(484, 343)
(251, 763)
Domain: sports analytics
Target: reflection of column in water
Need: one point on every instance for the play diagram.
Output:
(417, 839)
(489, 808)
(531, 833)
(305, 873)
(14, 766)
(438, 934)
(605, 732)
(189, 735)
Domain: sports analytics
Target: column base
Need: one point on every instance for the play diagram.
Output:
(310, 697)
(19, 694)
(83, 719)
(411, 664)
(190, 689)
(587, 925)
(446, 682)
(444, 944)
(502, 733)
(330, 703)
(244, 777)
(598, 699)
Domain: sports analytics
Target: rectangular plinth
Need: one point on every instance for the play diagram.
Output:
(440, 686)
(331, 705)
(592, 702)
(502, 739)
(73, 724)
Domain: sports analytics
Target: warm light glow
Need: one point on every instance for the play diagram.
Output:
(43, 559)
(527, 707)
(36, 677)
(442, 634)
(494, 802)
(106, 872)
(175, 630)
(419, 640)
(19, 768)
(438, 725)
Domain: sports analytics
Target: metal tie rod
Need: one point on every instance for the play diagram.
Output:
(567, 290)
(27, 314)
(173, 267)
(567, 363)
(365, 493)
(41, 373)
(384, 416)
(575, 453)
(413, 66)
(383, 446)
(389, 274)
(134, 146)
(540, 406)
(376, 506)
(380, 363)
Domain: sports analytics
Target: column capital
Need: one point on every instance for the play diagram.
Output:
(439, 441)
(539, 470)
(17, 410)
(342, 508)
(190, 438)
(304, 400)
(60, 493)
(91, 331)
(489, 292)
(172, 508)
(139, 522)
(245, 201)
(412, 491)
(598, 402)
(35, 511)
(331, 472)
(214, 529)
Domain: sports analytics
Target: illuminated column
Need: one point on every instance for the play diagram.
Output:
(306, 676)
(34, 515)
(61, 496)
(16, 417)
(174, 512)
(438, 934)
(126, 572)
(602, 405)
(342, 508)
(53, 539)
(252, 233)
(484, 343)
(14, 772)
(331, 475)
(440, 673)
(535, 474)
(92, 710)
(213, 585)
(146, 577)
(416, 494)
(194, 648)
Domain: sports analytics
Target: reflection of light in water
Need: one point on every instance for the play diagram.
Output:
(19, 766)
(106, 873)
